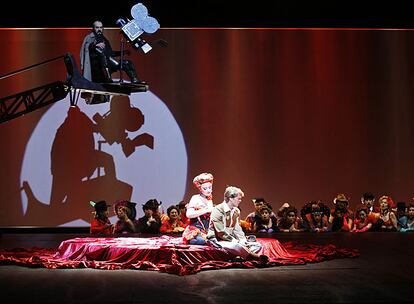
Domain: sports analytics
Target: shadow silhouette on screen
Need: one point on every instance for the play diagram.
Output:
(80, 170)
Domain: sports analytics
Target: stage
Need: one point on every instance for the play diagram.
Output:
(382, 274)
(257, 95)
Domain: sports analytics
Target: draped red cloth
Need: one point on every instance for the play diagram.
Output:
(164, 254)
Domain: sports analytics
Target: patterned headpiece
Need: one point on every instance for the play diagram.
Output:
(203, 178)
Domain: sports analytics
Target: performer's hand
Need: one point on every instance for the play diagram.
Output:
(284, 206)
(101, 45)
(213, 242)
(292, 228)
(178, 229)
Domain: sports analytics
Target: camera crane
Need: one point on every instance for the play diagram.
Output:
(75, 85)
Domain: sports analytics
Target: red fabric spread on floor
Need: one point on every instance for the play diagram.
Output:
(165, 254)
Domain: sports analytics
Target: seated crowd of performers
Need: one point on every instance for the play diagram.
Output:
(314, 216)
(225, 237)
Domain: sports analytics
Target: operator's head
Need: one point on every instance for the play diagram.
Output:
(97, 27)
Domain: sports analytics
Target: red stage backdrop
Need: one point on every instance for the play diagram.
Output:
(289, 115)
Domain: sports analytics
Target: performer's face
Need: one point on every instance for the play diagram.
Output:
(122, 212)
(173, 213)
(342, 204)
(317, 216)
(265, 215)
(291, 217)
(206, 189)
(98, 27)
(339, 214)
(368, 202)
(148, 212)
(235, 201)
(258, 205)
(362, 215)
(384, 204)
(411, 212)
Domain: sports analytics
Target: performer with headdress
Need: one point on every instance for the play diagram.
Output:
(199, 209)
(126, 212)
(362, 222)
(387, 220)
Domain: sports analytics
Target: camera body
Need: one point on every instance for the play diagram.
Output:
(141, 23)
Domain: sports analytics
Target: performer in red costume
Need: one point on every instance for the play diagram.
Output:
(101, 224)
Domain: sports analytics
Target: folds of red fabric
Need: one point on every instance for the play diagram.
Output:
(164, 254)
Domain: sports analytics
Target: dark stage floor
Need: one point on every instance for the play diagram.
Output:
(384, 273)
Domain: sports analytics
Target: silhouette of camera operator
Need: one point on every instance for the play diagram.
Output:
(75, 144)
(75, 161)
(74, 157)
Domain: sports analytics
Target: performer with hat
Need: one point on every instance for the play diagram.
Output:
(341, 217)
(151, 221)
(126, 212)
(100, 225)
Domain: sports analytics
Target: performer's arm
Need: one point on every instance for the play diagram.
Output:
(194, 208)
(238, 231)
(393, 220)
(130, 225)
(97, 228)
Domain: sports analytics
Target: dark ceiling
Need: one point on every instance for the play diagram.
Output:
(214, 13)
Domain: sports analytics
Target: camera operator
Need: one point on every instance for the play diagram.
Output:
(97, 62)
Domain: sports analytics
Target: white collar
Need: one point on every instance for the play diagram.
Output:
(226, 207)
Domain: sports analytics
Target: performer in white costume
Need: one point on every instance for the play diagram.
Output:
(199, 209)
